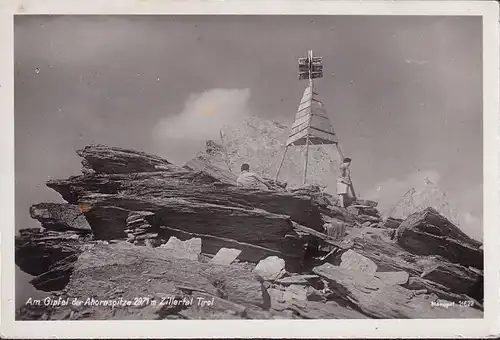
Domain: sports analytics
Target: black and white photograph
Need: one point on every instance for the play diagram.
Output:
(249, 167)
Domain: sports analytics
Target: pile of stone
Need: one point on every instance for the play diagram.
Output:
(366, 213)
(368, 216)
(138, 230)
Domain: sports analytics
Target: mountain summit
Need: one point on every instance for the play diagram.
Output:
(430, 195)
(260, 143)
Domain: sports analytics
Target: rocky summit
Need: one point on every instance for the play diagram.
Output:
(142, 238)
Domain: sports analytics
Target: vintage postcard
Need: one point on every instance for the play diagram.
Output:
(250, 169)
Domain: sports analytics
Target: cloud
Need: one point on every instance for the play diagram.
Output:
(203, 116)
(388, 191)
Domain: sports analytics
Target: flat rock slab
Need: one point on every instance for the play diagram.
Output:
(141, 271)
(271, 268)
(356, 262)
(297, 279)
(225, 256)
(393, 278)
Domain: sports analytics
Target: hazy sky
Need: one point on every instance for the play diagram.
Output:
(404, 94)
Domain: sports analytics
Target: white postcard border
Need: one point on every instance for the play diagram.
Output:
(253, 328)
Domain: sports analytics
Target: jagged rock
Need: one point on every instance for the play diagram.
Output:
(429, 233)
(144, 183)
(142, 192)
(271, 268)
(356, 262)
(393, 278)
(38, 251)
(60, 217)
(459, 279)
(225, 256)
(213, 162)
(112, 160)
(379, 300)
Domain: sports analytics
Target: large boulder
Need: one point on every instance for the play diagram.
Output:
(429, 233)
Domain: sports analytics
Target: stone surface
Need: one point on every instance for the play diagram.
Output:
(429, 233)
(271, 268)
(356, 262)
(393, 278)
(225, 256)
(379, 300)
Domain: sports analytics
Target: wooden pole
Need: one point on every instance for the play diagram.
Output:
(281, 164)
(311, 85)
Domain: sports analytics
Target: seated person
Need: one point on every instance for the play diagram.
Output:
(249, 179)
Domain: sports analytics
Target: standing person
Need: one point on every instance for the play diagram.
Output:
(250, 179)
(344, 181)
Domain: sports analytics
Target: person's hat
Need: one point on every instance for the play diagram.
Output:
(347, 160)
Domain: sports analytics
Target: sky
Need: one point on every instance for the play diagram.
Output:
(404, 94)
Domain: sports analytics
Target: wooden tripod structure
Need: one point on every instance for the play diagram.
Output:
(311, 125)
